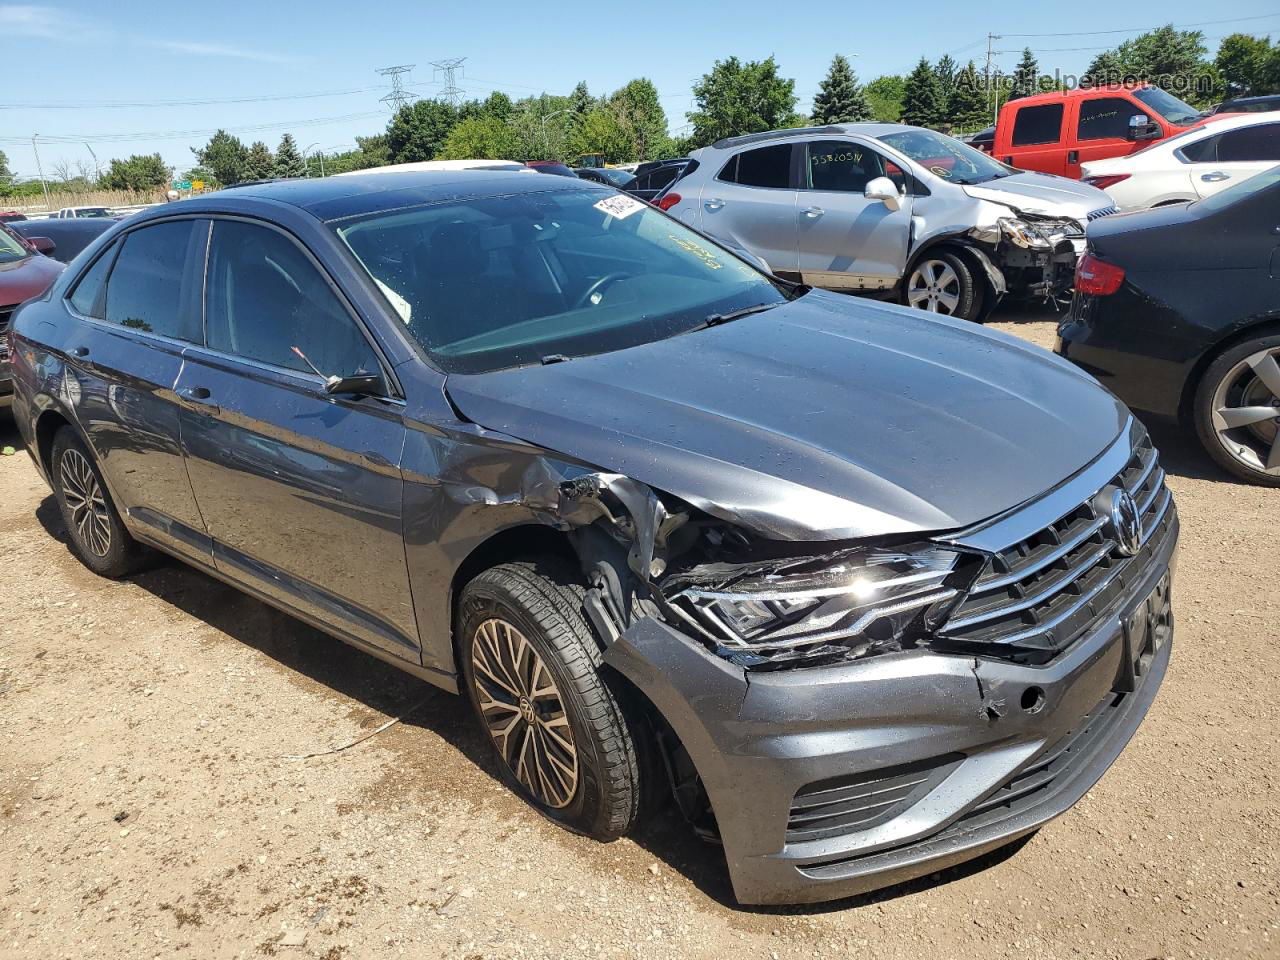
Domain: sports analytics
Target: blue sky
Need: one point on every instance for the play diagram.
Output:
(72, 67)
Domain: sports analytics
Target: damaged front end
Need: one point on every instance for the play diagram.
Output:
(1038, 254)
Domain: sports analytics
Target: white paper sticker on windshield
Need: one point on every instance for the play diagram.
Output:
(619, 206)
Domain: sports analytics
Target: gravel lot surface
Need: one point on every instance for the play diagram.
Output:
(149, 805)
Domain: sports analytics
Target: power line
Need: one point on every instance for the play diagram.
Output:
(1095, 33)
(185, 134)
(399, 97)
(112, 104)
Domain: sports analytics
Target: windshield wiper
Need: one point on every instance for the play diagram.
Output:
(715, 319)
(551, 358)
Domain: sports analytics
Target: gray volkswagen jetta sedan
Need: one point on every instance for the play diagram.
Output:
(865, 591)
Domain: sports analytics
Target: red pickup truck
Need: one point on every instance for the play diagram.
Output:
(1056, 132)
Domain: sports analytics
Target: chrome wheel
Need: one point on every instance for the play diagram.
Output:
(1246, 412)
(934, 286)
(85, 502)
(524, 713)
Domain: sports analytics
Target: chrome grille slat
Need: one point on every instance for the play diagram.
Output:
(985, 585)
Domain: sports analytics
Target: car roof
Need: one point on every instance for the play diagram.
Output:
(1257, 98)
(832, 129)
(336, 198)
(1102, 88)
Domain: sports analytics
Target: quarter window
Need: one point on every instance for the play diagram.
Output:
(144, 291)
(1251, 144)
(266, 301)
(1202, 151)
(1106, 118)
(1037, 125)
(841, 165)
(87, 298)
(762, 167)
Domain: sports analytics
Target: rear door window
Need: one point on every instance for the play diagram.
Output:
(1033, 126)
(762, 167)
(145, 289)
(1251, 144)
(1202, 151)
(1106, 118)
(266, 301)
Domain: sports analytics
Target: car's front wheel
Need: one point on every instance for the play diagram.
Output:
(560, 728)
(942, 283)
(98, 537)
(1237, 410)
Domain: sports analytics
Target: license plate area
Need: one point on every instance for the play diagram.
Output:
(1145, 629)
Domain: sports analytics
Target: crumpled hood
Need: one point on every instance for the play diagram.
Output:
(1043, 194)
(825, 418)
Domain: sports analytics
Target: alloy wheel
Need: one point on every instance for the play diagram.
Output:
(524, 713)
(1246, 411)
(86, 503)
(934, 286)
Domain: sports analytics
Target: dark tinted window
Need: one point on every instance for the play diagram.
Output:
(1036, 125)
(87, 298)
(1105, 118)
(145, 287)
(264, 298)
(1251, 144)
(656, 179)
(1202, 151)
(765, 167)
(840, 165)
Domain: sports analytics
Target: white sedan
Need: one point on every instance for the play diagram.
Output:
(1191, 165)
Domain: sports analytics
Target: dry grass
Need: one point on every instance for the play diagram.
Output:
(81, 198)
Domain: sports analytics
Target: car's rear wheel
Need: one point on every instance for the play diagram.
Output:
(532, 670)
(942, 283)
(98, 537)
(1237, 410)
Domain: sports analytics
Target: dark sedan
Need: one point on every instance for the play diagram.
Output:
(1177, 310)
(849, 577)
(69, 236)
(609, 176)
(24, 273)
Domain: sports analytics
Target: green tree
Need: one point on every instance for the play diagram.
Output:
(947, 69)
(418, 130)
(637, 106)
(840, 98)
(1169, 58)
(583, 102)
(6, 175)
(136, 173)
(1243, 63)
(259, 164)
(922, 102)
(289, 162)
(224, 156)
(884, 94)
(967, 107)
(603, 131)
(737, 98)
(1026, 76)
(484, 136)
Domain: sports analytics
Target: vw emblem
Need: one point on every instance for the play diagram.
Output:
(1126, 525)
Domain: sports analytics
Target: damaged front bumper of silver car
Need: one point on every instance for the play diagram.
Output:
(864, 716)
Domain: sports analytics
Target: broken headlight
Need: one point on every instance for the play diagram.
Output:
(1033, 236)
(812, 609)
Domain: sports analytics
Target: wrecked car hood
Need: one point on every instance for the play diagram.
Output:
(1042, 194)
(825, 418)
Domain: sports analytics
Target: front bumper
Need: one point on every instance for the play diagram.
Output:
(980, 751)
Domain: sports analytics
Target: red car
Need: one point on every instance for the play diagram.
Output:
(1056, 132)
(25, 272)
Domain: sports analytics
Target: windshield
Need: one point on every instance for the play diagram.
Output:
(11, 247)
(618, 177)
(1244, 190)
(512, 280)
(93, 212)
(947, 157)
(1167, 105)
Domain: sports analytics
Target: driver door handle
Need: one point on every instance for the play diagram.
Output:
(714, 203)
(198, 396)
(1217, 176)
(813, 213)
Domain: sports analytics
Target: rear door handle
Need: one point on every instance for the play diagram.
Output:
(1217, 176)
(200, 396)
(714, 204)
(813, 213)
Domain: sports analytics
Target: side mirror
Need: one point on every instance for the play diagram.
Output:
(882, 189)
(43, 245)
(359, 385)
(1141, 127)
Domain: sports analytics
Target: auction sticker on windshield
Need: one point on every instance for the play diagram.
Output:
(619, 207)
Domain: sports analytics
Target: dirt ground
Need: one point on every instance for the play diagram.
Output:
(149, 805)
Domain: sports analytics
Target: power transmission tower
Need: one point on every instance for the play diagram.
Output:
(399, 97)
(995, 113)
(449, 70)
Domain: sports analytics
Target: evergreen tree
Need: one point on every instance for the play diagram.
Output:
(840, 97)
(1026, 77)
(946, 70)
(225, 156)
(922, 102)
(289, 162)
(259, 164)
(967, 107)
(583, 102)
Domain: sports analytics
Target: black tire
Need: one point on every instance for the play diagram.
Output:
(543, 603)
(97, 536)
(1234, 450)
(933, 267)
